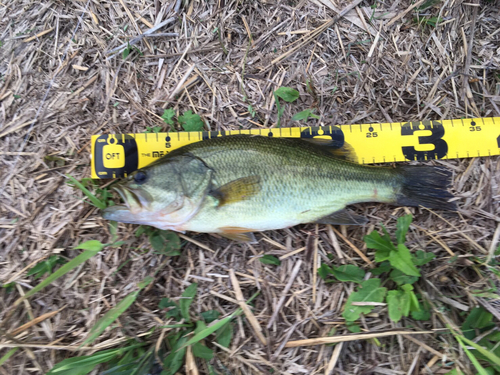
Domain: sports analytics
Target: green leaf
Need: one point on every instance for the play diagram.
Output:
(396, 304)
(401, 278)
(353, 327)
(174, 361)
(137, 362)
(200, 326)
(211, 370)
(478, 318)
(7, 355)
(251, 110)
(401, 260)
(92, 245)
(9, 288)
(225, 335)
(168, 116)
(110, 317)
(45, 266)
(402, 227)
(270, 259)
(421, 257)
(85, 364)
(494, 336)
(96, 202)
(201, 351)
(65, 268)
(455, 372)
(383, 267)
(383, 245)
(422, 315)
(324, 271)
(399, 302)
(288, 94)
(210, 329)
(210, 315)
(187, 299)
(191, 122)
(126, 51)
(370, 291)
(172, 313)
(304, 115)
(349, 272)
(165, 242)
(113, 230)
(140, 230)
(153, 129)
(414, 305)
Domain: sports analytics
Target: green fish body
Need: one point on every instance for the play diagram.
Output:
(238, 184)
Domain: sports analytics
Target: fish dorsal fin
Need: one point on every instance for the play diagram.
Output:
(238, 234)
(237, 190)
(345, 152)
(343, 217)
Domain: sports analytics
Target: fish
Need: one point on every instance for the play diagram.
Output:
(240, 184)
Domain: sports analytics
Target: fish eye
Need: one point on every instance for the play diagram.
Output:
(140, 177)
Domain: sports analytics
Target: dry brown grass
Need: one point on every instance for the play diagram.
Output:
(59, 85)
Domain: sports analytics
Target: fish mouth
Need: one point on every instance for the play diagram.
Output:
(117, 213)
(135, 202)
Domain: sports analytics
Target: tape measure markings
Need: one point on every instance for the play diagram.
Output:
(115, 155)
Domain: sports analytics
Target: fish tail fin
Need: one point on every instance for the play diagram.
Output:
(425, 186)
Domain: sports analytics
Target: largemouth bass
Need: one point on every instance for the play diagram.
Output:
(236, 185)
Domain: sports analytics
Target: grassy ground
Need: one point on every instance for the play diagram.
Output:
(396, 61)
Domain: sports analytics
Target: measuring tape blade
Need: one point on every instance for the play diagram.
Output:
(116, 155)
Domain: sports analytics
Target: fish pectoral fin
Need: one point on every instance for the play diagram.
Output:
(343, 217)
(237, 190)
(238, 234)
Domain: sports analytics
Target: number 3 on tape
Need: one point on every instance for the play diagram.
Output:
(440, 147)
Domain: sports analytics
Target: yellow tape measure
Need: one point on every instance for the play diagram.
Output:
(116, 155)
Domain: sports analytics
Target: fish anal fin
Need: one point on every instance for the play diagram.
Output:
(237, 190)
(343, 217)
(238, 234)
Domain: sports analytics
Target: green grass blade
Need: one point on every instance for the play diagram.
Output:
(110, 317)
(494, 359)
(87, 192)
(480, 369)
(7, 355)
(210, 329)
(64, 269)
(144, 283)
(85, 364)
(216, 325)
(115, 312)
